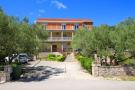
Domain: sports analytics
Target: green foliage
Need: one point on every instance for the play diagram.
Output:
(128, 62)
(107, 40)
(17, 71)
(53, 57)
(19, 36)
(86, 62)
(60, 58)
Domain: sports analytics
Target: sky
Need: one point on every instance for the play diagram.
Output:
(99, 11)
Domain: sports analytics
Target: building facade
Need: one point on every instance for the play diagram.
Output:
(61, 32)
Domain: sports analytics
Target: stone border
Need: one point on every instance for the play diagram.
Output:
(110, 71)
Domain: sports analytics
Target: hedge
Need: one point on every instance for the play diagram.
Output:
(86, 62)
(53, 57)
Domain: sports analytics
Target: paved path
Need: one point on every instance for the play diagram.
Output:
(67, 76)
(70, 58)
(72, 69)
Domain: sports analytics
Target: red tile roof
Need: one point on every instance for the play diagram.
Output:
(62, 20)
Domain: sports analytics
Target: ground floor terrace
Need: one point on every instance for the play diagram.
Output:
(58, 41)
(56, 47)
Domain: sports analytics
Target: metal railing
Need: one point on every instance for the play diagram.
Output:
(59, 39)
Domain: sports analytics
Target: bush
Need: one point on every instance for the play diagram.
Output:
(53, 57)
(125, 60)
(86, 62)
(79, 57)
(128, 62)
(60, 58)
(17, 71)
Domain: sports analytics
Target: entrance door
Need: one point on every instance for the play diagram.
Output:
(54, 48)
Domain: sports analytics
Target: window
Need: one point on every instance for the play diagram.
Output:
(76, 26)
(63, 26)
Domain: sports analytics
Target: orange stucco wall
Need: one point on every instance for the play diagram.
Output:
(53, 26)
(69, 26)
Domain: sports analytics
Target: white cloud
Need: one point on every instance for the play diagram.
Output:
(41, 11)
(58, 4)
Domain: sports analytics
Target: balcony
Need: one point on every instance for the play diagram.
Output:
(55, 39)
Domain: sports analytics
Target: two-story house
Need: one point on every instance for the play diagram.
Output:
(61, 32)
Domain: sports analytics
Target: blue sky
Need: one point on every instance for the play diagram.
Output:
(100, 11)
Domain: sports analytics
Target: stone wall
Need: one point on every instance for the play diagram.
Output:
(98, 70)
(5, 74)
(4, 77)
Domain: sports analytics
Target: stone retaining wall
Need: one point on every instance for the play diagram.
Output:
(5, 74)
(4, 77)
(98, 70)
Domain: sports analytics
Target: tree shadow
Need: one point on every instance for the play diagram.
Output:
(39, 73)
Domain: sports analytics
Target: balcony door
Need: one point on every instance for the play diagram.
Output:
(54, 48)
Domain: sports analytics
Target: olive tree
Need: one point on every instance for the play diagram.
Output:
(19, 36)
(108, 41)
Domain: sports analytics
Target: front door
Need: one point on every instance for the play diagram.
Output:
(54, 48)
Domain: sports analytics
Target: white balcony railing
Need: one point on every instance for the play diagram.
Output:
(59, 39)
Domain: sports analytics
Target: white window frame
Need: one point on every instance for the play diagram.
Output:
(63, 26)
(76, 26)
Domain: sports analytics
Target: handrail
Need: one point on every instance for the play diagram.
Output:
(59, 39)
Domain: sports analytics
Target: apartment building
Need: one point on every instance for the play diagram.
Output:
(61, 32)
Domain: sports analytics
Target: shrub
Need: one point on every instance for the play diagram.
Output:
(1, 67)
(17, 71)
(53, 57)
(86, 62)
(79, 57)
(60, 58)
(128, 62)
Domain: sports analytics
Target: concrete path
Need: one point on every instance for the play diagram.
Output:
(72, 70)
(66, 76)
(70, 58)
